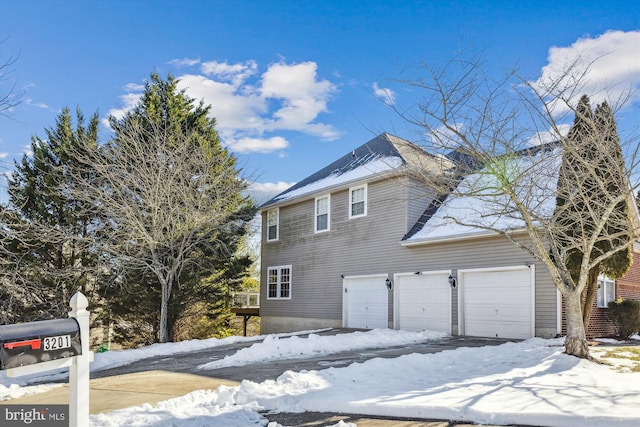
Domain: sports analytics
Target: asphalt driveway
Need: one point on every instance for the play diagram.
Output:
(188, 362)
(160, 378)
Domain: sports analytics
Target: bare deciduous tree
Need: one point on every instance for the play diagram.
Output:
(9, 98)
(511, 135)
(161, 196)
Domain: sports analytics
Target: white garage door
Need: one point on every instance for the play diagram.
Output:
(497, 303)
(422, 302)
(366, 302)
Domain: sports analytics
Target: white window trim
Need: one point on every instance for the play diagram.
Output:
(277, 213)
(315, 218)
(279, 282)
(607, 282)
(364, 186)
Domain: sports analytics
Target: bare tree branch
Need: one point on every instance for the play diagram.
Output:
(507, 183)
(160, 194)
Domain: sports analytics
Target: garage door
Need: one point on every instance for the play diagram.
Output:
(422, 302)
(497, 303)
(366, 302)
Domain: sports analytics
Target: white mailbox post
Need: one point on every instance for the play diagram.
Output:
(36, 344)
(79, 370)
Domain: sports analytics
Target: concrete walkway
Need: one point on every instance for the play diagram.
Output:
(122, 391)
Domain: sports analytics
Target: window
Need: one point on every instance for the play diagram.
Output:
(273, 218)
(606, 292)
(358, 201)
(323, 204)
(279, 282)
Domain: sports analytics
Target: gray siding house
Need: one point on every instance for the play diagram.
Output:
(346, 247)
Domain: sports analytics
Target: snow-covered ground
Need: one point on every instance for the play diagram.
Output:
(530, 382)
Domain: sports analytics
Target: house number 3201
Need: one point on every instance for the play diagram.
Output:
(56, 343)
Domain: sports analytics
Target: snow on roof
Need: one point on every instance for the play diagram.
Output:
(383, 153)
(372, 167)
(478, 205)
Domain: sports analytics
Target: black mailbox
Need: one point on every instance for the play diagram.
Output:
(36, 342)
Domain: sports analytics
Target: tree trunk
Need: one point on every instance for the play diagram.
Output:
(575, 343)
(164, 311)
(592, 286)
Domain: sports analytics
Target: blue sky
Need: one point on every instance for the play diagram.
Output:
(294, 85)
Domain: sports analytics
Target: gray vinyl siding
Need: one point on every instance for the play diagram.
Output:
(371, 245)
(320, 259)
(418, 199)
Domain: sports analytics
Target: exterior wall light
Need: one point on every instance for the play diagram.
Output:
(389, 283)
(452, 281)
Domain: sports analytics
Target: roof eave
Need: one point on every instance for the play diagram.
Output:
(330, 189)
(458, 237)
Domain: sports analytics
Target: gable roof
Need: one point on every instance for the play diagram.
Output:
(382, 154)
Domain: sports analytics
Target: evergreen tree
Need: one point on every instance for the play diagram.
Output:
(592, 180)
(44, 228)
(172, 213)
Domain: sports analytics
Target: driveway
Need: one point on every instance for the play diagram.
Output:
(188, 362)
(160, 378)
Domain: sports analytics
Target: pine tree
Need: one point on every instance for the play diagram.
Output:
(44, 227)
(599, 179)
(171, 205)
(612, 173)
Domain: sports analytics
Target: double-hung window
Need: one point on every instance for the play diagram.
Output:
(358, 201)
(606, 291)
(273, 224)
(323, 207)
(279, 282)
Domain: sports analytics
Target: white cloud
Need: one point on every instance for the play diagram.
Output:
(4, 155)
(249, 105)
(384, 94)
(257, 145)
(549, 136)
(26, 150)
(133, 87)
(129, 101)
(611, 64)
(264, 191)
(184, 62)
(303, 97)
(30, 102)
(234, 109)
(234, 73)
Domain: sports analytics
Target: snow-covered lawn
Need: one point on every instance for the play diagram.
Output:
(530, 382)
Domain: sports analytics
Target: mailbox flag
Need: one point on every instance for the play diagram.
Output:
(34, 344)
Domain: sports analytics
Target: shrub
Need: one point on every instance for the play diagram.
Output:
(625, 315)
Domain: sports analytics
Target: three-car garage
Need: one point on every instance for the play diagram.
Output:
(489, 302)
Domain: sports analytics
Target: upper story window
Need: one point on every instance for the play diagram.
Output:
(279, 282)
(358, 201)
(323, 206)
(273, 224)
(606, 291)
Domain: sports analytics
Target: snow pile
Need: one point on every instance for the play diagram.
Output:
(12, 388)
(530, 382)
(14, 391)
(275, 348)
